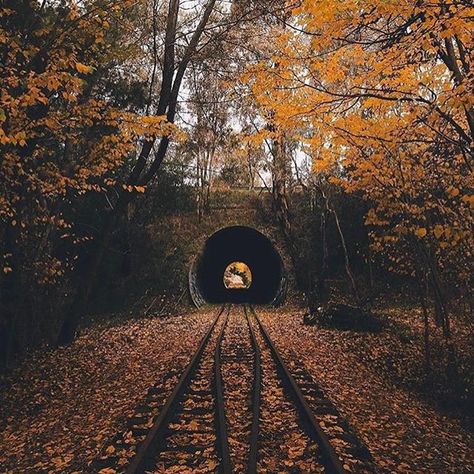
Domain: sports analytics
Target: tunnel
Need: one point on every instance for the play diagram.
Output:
(249, 248)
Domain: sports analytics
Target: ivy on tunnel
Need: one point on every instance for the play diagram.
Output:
(244, 246)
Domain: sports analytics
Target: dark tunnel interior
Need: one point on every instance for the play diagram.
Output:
(238, 244)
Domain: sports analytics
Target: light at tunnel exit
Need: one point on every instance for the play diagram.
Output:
(237, 275)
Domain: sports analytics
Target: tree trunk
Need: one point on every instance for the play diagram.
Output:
(10, 297)
(280, 204)
(371, 270)
(347, 264)
(441, 310)
(70, 324)
(321, 287)
(172, 78)
(423, 287)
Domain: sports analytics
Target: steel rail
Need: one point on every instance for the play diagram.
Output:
(331, 459)
(221, 422)
(256, 399)
(150, 446)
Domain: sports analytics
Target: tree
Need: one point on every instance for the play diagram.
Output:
(382, 92)
(187, 34)
(61, 137)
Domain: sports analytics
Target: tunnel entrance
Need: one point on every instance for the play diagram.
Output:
(240, 248)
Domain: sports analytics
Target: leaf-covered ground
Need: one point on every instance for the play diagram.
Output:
(405, 433)
(59, 408)
(237, 370)
(284, 444)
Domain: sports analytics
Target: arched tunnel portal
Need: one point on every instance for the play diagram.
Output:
(238, 244)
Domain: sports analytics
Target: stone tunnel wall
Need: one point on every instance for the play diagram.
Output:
(238, 244)
(254, 211)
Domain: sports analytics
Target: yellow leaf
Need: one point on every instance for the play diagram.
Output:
(438, 231)
(452, 192)
(70, 97)
(420, 232)
(83, 69)
(469, 199)
(193, 425)
(110, 450)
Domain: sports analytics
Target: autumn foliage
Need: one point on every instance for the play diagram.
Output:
(132, 130)
(376, 94)
(61, 136)
(379, 94)
(69, 122)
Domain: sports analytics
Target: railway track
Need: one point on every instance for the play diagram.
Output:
(239, 408)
